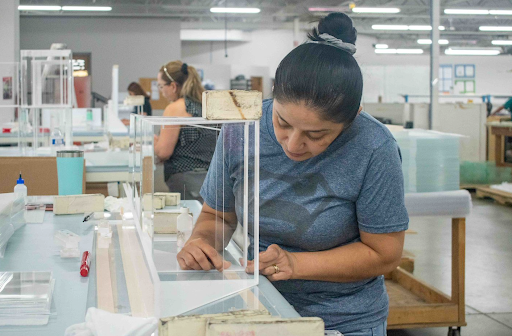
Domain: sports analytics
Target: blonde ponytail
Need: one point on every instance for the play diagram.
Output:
(187, 78)
(192, 87)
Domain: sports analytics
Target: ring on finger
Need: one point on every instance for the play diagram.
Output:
(276, 268)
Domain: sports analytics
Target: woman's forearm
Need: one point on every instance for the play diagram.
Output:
(209, 227)
(352, 262)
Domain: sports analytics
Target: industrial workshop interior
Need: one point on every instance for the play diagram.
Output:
(255, 168)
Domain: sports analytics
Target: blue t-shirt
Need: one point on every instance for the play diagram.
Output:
(318, 204)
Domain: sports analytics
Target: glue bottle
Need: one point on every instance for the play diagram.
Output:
(20, 190)
(185, 225)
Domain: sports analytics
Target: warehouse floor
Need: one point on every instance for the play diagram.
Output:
(488, 267)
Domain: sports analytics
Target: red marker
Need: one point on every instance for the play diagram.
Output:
(86, 263)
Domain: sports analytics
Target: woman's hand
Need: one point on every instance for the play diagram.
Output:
(198, 255)
(275, 263)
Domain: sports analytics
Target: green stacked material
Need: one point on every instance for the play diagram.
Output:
(483, 173)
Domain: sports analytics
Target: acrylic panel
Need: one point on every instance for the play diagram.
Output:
(233, 182)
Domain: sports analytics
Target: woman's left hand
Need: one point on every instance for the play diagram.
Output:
(275, 263)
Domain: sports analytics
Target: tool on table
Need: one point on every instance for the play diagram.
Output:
(85, 264)
(89, 216)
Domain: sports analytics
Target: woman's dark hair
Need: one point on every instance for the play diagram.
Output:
(137, 89)
(324, 78)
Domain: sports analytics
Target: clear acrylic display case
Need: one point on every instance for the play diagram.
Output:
(46, 82)
(237, 164)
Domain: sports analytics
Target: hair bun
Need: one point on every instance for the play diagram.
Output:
(184, 68)
(338, 25)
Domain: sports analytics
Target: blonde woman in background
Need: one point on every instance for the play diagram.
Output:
(185, 151)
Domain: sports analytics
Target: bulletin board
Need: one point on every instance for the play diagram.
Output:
(150, 85)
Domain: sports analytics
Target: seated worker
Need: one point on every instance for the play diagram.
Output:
(185, 151)
(134, 89)
(506, 106)
(331, 191)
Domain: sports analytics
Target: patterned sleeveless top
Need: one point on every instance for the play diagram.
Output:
(195, 146)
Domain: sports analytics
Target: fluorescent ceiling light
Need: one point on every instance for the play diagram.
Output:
(409, 51)
(38, 8)
(429, 41)
(496, 28)
(233, 10)
(404, 27)
(385, 51)
(467, 11)
(381, 46)
(390, 27)
(502, 42)
(399, 51)
(418, 27)
(473, 52)
(376, 10)
(86, 8)
(500, 12)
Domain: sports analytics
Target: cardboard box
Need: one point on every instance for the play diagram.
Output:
(39, 173)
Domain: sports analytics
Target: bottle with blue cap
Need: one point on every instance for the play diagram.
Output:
(20, 190)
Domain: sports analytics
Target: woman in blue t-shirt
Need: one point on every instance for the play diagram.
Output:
(332, 214)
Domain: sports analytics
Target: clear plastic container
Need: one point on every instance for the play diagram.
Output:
(56, 141)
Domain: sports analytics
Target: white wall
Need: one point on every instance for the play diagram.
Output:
(258, 57)
(384, 75)
(9, 31)
(138, 45)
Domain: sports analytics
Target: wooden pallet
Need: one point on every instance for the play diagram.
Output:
(473, 186)
(502, 197)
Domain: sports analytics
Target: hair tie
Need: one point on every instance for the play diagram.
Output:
(335, 42)
(184, 68)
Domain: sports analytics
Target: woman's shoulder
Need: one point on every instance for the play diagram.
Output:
(371, 132)
(176, 109)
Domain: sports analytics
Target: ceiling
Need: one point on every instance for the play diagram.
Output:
(461, 30)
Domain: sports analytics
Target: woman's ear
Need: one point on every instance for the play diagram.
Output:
(174, 87)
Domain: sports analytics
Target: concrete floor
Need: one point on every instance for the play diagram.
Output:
(488, 267)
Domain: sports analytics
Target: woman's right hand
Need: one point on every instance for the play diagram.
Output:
(198, 255)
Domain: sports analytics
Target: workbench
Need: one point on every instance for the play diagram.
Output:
(31, 248)
(500, 131)
(101, 167)
(78, 136)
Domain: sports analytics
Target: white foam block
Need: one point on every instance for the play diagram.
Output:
(171, 198)
(158, 202)
(166, 222)
(75, 204)
(232, 105)
(304, 326)
(195, 325)
(134, 100)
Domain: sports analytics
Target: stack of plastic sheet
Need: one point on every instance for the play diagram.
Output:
(430, 160)
(25, 298)
(6, 228)
(484, 173)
